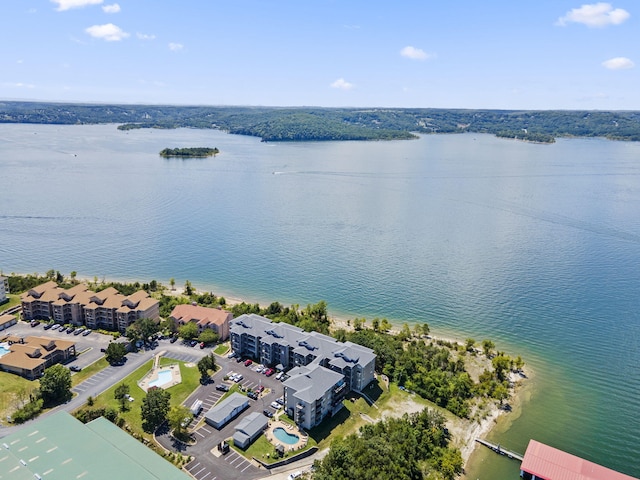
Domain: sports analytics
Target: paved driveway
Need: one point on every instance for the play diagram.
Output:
(207, 463)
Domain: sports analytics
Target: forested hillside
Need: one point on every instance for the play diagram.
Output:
(316, 124)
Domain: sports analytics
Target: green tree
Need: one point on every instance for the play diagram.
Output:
(55, 385)
(206, 364)
(375, 324)
(121, 393)
(73, 276)
(469, 344)
(188, 331)
(487, 347)
(188, 288)
(154, 409)
(115, 353)
(385, 326)
(208, 336)
(172, 282)
(178, 418)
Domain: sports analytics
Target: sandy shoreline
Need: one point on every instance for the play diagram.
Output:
(464, 438)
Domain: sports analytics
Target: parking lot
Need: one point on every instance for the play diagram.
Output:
(206, 465)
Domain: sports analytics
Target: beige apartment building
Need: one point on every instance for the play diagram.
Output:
(78, 306)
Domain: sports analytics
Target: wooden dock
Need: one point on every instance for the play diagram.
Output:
(501, 451)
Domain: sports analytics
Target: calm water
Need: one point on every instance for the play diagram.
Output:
(534, 246)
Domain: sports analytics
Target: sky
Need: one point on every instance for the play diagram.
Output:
(498, 54)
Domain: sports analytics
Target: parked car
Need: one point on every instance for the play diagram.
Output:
(173, 339)
(47, 326)
(62, 328)
(279, 375)
(35, 323)
(75, 368)
(55, 326)
(231, 355)
(86, 332)
(269, 372)
(267, 413)
(275, 405)
(260, 388)
(247, 362)
(252, 395)
(222, 387)
(78, 331)
(239, 359)
(201, 345)
(193, 343)
(280, 400)
(238, 378)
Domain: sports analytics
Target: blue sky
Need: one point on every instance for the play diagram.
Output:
(512, 54)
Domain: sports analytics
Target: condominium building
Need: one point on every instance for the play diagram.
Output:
(4, 289)
(321, 369)
(215, 319)
(30, 356)
(78, 305)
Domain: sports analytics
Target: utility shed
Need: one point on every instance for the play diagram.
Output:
(249, 428)
(226, 410)
(542, 462)
(59, 447)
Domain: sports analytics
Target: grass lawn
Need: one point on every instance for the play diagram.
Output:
(14, 300)
(264, 450)
(14, 389)
(221, 349)
(190, 381)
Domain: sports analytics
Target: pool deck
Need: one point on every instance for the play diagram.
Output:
(302, 437)
(176, 376)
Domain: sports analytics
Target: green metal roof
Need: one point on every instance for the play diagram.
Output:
(60, 447)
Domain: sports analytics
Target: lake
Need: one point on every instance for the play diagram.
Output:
(536, 247)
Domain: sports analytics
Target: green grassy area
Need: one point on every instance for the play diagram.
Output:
(14, 300)
(132, 418)
(222, 349)
(14, 392)
(264, 450)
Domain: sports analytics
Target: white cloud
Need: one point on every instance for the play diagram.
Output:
(115, 8)
(595, 15)
(342, 84)
(18, 85)
(108, 32)
(69, 4)
(415, 53)
(618, 63)
(175, 47)
(144, 36)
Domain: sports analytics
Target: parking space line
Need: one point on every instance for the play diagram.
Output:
(246, 468)
(199, 471)
(193, 466)
(198, 432)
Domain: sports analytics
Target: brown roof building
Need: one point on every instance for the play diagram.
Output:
(31, 355)
(80, 306)
(213, 318)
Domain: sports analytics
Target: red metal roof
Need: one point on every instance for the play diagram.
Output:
(550, 463)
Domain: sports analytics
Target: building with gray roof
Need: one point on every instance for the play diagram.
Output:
(249, 428)
(290, 347)
(225, 411)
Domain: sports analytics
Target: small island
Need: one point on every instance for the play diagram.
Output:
(193, 152)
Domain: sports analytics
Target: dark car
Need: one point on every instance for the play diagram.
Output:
(48, 326)
(173, 339)
(252, 395)
(35, 323)
(267, 413)
(70, 329)
(222, 387)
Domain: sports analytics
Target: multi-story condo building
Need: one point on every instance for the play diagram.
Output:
(80, 306)
(4, 289)
(215, 319)
(321, 369)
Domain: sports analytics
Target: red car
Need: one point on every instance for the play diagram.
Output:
(201, 344)
(247, 362)
(269, 372)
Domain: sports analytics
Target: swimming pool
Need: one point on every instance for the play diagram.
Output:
(285, 437)
(164, 377)
(4, 349)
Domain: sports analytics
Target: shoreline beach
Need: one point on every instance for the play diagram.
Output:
(464, 436)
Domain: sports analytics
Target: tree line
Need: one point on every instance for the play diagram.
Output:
(319, 124)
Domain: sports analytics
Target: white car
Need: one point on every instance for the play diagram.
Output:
(237, 378)
(260, 368)
(276, 405)
(279, 375)
(294, 475)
